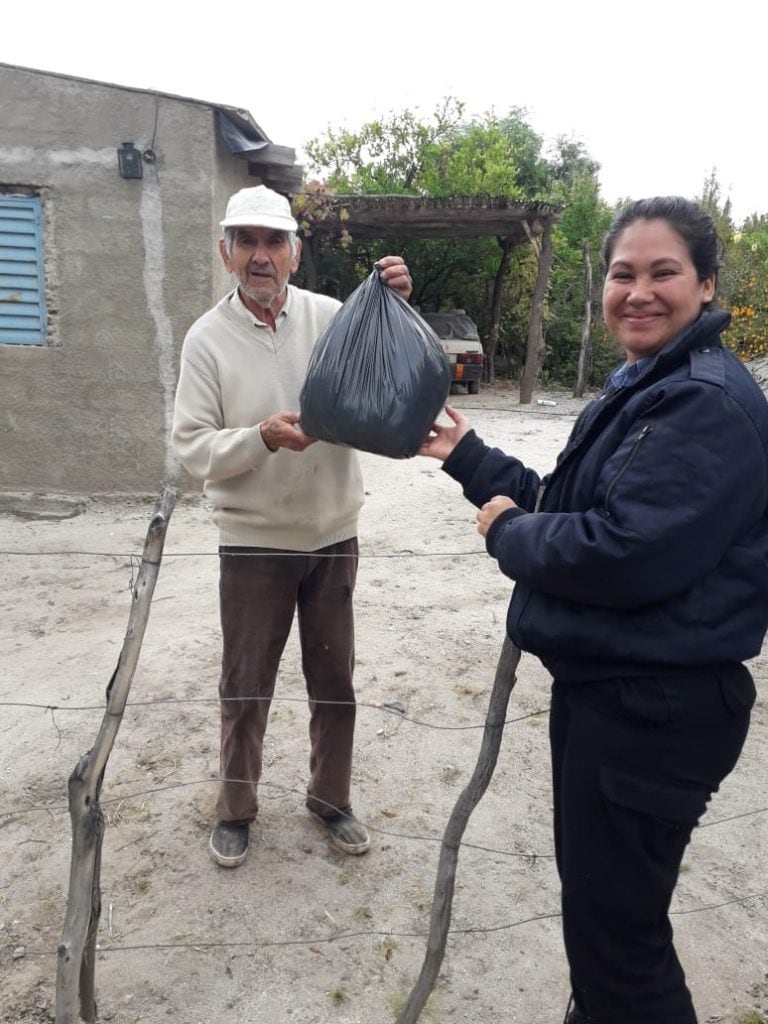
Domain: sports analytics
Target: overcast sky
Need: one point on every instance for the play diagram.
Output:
(659, 92)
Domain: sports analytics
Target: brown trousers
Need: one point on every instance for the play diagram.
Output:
(259, 593)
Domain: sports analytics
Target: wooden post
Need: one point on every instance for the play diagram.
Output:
(585, 349)
(442, 901)
(534, 353)
(75, 972)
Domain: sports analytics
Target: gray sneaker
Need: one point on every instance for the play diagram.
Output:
(229, 843)
(345, 833)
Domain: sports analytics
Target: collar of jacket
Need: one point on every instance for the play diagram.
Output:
(706, 328)
(703, 333)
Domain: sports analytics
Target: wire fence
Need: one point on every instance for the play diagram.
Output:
(8, 813)
(532, 858)
(397, 710)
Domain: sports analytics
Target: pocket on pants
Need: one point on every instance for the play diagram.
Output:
(646, 699)
(669, 802)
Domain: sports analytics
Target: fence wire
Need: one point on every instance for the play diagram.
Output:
(364, 933)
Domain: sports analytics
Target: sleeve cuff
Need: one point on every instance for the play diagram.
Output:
(465, 457)
(262, 444)
(494, 534)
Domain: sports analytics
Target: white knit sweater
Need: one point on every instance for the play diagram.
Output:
(235, 372)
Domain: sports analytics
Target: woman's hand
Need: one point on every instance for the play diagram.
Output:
(490, 511)
(442, 440)
(396, 274)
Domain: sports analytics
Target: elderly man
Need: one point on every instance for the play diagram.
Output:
(286, 508)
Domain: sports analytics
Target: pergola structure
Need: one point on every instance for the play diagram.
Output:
(427, 217)
(510, 221)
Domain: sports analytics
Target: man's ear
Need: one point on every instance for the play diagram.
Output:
(296, 256)
(225, 255)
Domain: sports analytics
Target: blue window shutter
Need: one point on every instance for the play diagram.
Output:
(22, 284)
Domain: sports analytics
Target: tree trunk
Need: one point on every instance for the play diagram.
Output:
(534, 354)
(442, 900)
(585, 350)
(498, 294)
(77, 951)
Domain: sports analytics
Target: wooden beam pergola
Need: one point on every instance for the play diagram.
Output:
(427, 217)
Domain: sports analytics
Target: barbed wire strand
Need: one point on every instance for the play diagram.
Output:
(371, 705)
(375, 934)
(517, 409)
(302, 700)
(316, 940)
(733, 817)
(284, 789)
(406, 553)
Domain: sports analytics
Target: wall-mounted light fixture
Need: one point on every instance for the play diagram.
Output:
(129, 161)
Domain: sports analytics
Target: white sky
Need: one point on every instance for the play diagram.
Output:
(660, 92)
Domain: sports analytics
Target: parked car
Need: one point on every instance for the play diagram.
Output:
(462, 345)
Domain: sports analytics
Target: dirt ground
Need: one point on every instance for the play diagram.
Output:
(300, 934)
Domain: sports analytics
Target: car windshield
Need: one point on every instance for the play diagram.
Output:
(455, 324)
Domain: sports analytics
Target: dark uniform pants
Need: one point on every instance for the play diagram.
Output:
(634, 762)
(259, 596)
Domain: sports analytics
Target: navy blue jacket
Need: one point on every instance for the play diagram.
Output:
(648, 549)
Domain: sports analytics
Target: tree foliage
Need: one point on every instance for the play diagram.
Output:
(743, 283)
(744, 291)
(405, 155)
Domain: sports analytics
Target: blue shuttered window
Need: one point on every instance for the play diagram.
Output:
(22, 285)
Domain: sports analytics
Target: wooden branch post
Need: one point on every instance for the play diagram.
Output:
(449, 851)
(535, 350)
(75, 973)
(585, 349)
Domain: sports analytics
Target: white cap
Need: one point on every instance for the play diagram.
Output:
(259, 207)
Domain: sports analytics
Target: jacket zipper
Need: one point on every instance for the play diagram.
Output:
(643, 433)
(576, 444)
(539, 497)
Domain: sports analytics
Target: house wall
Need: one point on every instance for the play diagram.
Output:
(129, 265)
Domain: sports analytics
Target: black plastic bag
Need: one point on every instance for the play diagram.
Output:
(378, 375)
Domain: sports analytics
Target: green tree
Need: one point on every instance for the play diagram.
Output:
(449, 155)
(533, 172)
(443, 156)
(743, 283)
(585, 220)
(565, 174)
(719, 208)
(385, 156)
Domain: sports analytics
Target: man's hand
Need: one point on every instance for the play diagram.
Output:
(490, 511)
(282, 430)
(396, 275)
(442, 440)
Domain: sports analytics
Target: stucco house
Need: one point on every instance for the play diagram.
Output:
(110, 199)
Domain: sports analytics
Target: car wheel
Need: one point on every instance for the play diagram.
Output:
(473, 387)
